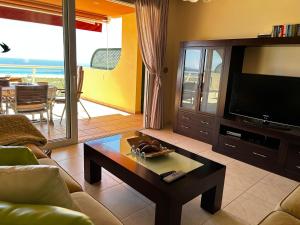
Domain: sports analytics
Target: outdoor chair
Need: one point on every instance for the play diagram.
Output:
(3, 83)
(31, 99)
(62, 100)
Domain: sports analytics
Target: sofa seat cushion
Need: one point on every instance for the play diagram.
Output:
(72, 185)
(291, 204)
(280, 218)
(36, 151)
(93, 209)
(21, 214)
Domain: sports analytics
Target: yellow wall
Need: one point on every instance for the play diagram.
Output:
(282, 61)
(220, 19)
(121, 87)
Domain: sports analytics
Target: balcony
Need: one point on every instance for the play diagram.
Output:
(103, 120)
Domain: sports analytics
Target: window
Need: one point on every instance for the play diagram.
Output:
(106, 58)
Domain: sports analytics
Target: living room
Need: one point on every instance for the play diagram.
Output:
(220, 143)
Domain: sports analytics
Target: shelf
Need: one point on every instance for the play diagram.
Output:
(291, 135)
(251, 137)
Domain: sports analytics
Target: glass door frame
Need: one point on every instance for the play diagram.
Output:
(200, 74)
(70, 66)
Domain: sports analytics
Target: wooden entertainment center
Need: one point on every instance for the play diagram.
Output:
(205, 77)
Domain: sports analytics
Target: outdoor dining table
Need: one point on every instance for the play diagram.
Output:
(10, 93)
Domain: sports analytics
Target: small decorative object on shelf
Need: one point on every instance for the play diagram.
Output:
(287, 30)
(264, 35)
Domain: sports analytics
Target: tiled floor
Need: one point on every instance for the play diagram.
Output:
(250, 193)
(104, 121)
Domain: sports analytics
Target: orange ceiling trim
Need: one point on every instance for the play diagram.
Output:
(52, 9)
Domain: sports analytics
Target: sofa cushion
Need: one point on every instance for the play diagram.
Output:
(36, 151)
(34, 185)
(16, 155)
(72, 185)
(291, 203)
(25, 214)
(280, 218)
(93, 209)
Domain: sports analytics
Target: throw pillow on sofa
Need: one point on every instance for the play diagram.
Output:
(34, 185)
(16, 155)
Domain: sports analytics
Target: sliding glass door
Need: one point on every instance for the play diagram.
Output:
(40, 54)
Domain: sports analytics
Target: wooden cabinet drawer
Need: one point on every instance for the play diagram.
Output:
(196, 119)
(230, 146)
(263, 157)
(293, 159)
(194, 131)
(249, 152)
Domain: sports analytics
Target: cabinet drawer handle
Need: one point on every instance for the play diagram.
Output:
(185, 127)
(204, 122)
(203, 132)
(260, 155)
(298, 167)
(186, 118)
(230, 146)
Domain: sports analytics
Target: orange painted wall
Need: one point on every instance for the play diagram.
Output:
(121, 87)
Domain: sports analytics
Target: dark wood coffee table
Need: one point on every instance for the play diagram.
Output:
(207, 180)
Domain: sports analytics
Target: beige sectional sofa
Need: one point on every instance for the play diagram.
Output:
(87, 205)
(287, 212)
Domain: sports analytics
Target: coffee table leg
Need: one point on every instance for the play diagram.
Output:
(168, 214)
(92, 171)
(211, 200)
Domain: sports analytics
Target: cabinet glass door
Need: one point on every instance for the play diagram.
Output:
(190, 80)
(211, 80)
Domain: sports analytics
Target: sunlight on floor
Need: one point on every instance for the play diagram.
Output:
(93, 109)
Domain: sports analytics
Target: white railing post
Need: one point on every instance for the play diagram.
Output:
(33, 75)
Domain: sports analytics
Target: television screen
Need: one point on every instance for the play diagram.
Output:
(267, 97)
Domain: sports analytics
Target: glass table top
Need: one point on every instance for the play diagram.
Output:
(162, 164)
(158, 165)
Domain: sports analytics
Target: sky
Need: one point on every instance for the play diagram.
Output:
(193, 59)
(40, 41)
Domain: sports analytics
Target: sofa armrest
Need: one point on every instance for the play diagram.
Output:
(39, 154)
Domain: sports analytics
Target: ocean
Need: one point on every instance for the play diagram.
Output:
(23, 72)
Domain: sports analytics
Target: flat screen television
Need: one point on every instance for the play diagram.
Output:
(268, 98)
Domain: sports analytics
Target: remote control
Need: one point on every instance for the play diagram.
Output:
(163, 175)
(174, 176)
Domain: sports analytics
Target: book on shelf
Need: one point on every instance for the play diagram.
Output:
(287, 30)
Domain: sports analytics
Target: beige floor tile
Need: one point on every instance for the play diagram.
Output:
(282, 183)
(268, 192)
(73, 166)
(194, 145)
(112, 176)
(230, 193)
(67, 152)
(217, 157)
(249, 208)
(193, 214)
(144, 198)
(166, 135)
(145, 216)
(248, 171)
(224, 218)
(121, 201)
(240, 181)
(94, 189)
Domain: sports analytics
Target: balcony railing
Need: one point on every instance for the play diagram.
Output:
(34, 73)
